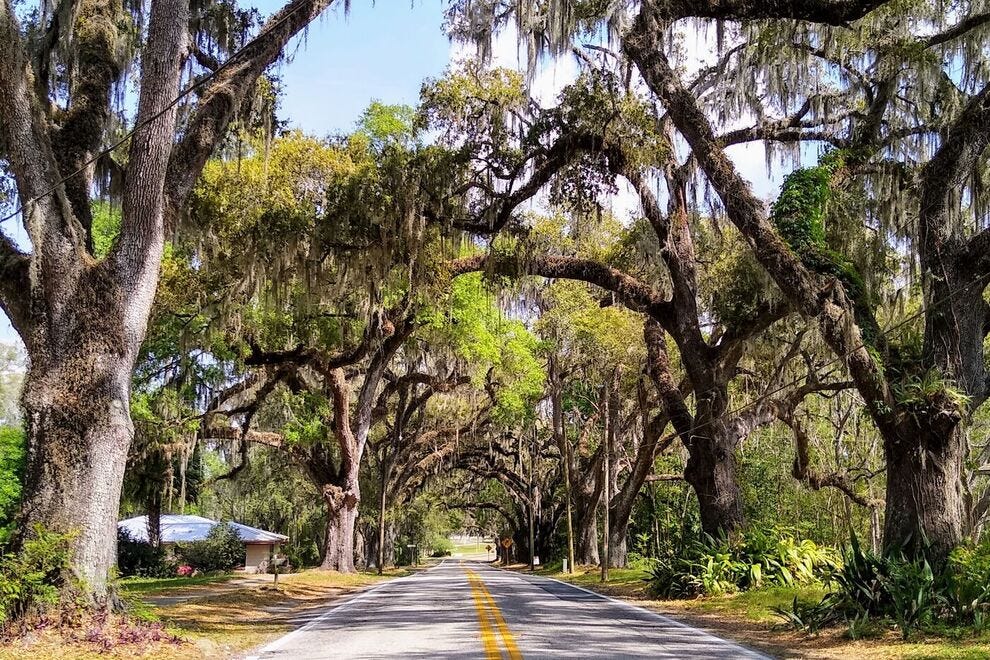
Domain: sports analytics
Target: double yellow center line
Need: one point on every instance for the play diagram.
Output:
(491, 622)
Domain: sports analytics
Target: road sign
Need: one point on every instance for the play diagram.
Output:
(506, 543)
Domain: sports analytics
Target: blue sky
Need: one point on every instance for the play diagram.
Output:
(344, 62)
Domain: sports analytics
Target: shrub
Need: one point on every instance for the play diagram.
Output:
(441, 547)
(966, 585)
(12, 457)
(871, 587)
(221, 550)
(34, 577)
(136, 557)
(714, 567)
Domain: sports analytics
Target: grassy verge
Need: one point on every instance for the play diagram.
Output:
(218, 623)
(749, 618)
(150, 586)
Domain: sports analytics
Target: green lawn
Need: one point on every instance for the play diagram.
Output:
(149, 586)
(469, 548)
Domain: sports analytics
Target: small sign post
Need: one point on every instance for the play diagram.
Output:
(506, 545)
(412, 554)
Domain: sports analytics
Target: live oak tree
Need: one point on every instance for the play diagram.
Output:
(311, 288)
(918, 399)
(82, 319)
(879, 83)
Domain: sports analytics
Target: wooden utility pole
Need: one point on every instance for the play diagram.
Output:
(532, 504)
(382, 492)
(563, 445)
(611, 423)
(607, 477)
(570, 514)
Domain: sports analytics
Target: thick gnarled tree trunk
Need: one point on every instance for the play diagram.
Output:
(711, 471)
(586, 535)
(342, 514)
(923, 443)
(925, 490)
(82, 320)
(79, 431)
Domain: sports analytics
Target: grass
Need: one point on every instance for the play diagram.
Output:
(151, 586)
(469, 548)
(212, 623)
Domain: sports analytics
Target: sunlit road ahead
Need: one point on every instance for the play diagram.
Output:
(466, 609)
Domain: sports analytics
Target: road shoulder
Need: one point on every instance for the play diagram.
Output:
(736, 618)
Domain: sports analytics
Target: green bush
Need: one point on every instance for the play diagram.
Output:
(966, 584)
(13, 453)
(136, 557)
(441, 547)
(871, 588)
(34, 577)
(753, 559)
(221, 550)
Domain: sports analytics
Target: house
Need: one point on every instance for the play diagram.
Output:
(259, 545)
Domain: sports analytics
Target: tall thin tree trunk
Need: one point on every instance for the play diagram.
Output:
(382, 507)
(610, 417)
(155, 518)
(566, 454)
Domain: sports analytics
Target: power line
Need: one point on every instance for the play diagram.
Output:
(127, 136)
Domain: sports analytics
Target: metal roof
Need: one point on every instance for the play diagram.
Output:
(183, 529)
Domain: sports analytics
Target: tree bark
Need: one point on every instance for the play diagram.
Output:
(925, 511)
(618, 553)
(586, 538)
(79, 430)
(711, 471)
(342, 513)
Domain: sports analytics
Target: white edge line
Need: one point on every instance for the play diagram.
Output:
(275, 645)
(637, 608)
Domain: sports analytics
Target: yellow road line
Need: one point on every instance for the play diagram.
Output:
(488, 639)
(492, 609)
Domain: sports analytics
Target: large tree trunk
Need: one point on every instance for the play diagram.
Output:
(617, 543)
(711, 472)
(586, 539)
(79, 431)
(923, 448)
(342, 513)
(925, 509)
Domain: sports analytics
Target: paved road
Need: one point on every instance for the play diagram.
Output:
(466, 609)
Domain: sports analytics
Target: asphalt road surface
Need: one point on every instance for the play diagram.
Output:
(466, 609)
